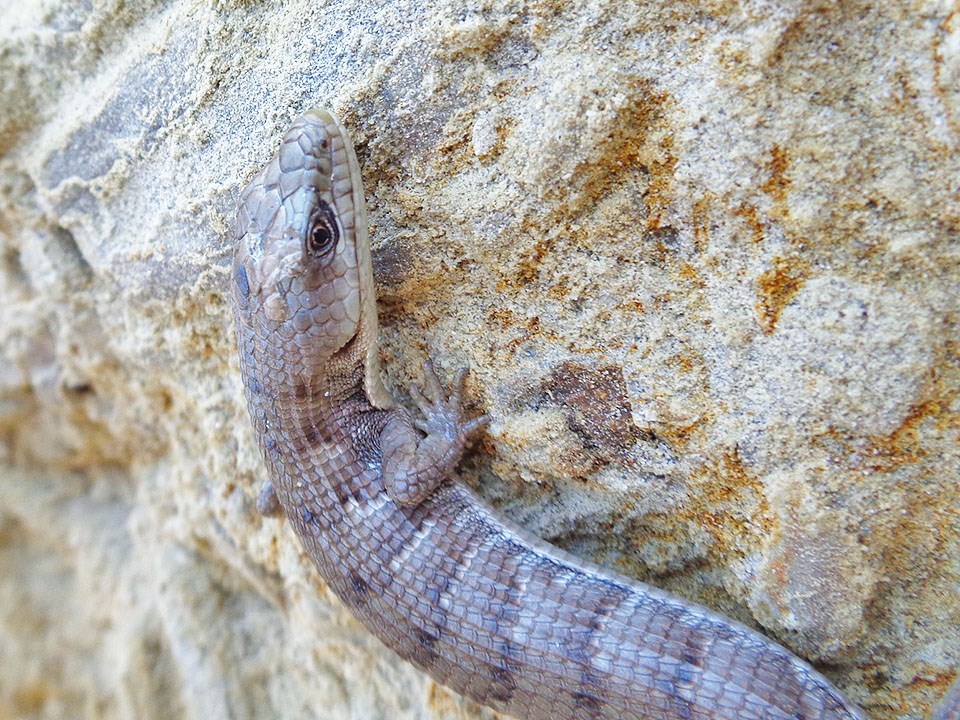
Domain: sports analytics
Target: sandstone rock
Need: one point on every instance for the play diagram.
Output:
(702, 259)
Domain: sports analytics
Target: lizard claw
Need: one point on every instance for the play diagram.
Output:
(471, 426)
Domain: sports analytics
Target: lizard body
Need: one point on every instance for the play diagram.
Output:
(482, 606)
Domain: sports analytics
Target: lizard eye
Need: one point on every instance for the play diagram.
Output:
(322, 235)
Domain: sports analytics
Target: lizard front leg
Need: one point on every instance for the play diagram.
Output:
(420, 453)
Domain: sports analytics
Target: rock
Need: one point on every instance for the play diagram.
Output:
(701, 259)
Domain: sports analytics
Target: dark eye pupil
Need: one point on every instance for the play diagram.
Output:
(322, 236)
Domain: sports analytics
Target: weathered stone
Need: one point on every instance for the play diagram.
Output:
(701, 258)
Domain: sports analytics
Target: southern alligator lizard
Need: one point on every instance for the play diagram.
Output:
(482, 606)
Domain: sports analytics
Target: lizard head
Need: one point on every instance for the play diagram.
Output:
(302, 268)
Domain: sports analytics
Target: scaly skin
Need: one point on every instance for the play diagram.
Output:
(482, 606)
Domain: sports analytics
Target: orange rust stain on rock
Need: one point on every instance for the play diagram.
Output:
(502, 317)
(452, 152)
(918, 528)
(778, 183)
(658, 194)
(523, 328)
(662, 300)
(558, 291)
(687, 363)
(689, 272)
(942, 81)
(531, 258)
(701, 224)
(776, 287)
(908, 432)
(680, 436)
(638, 138)
(730, 501)
(928, 676)
(750, 214)
(531, 261)
(904, 446)
(632, 305)
(32, 698)
(871, 455)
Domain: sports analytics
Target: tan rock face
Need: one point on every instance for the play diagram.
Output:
(702, 259)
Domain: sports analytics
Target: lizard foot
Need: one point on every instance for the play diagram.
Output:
(442, 413)
(414, 465)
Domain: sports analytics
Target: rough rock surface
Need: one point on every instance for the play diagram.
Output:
(702, 259)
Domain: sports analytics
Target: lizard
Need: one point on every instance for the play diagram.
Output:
(478, 603)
